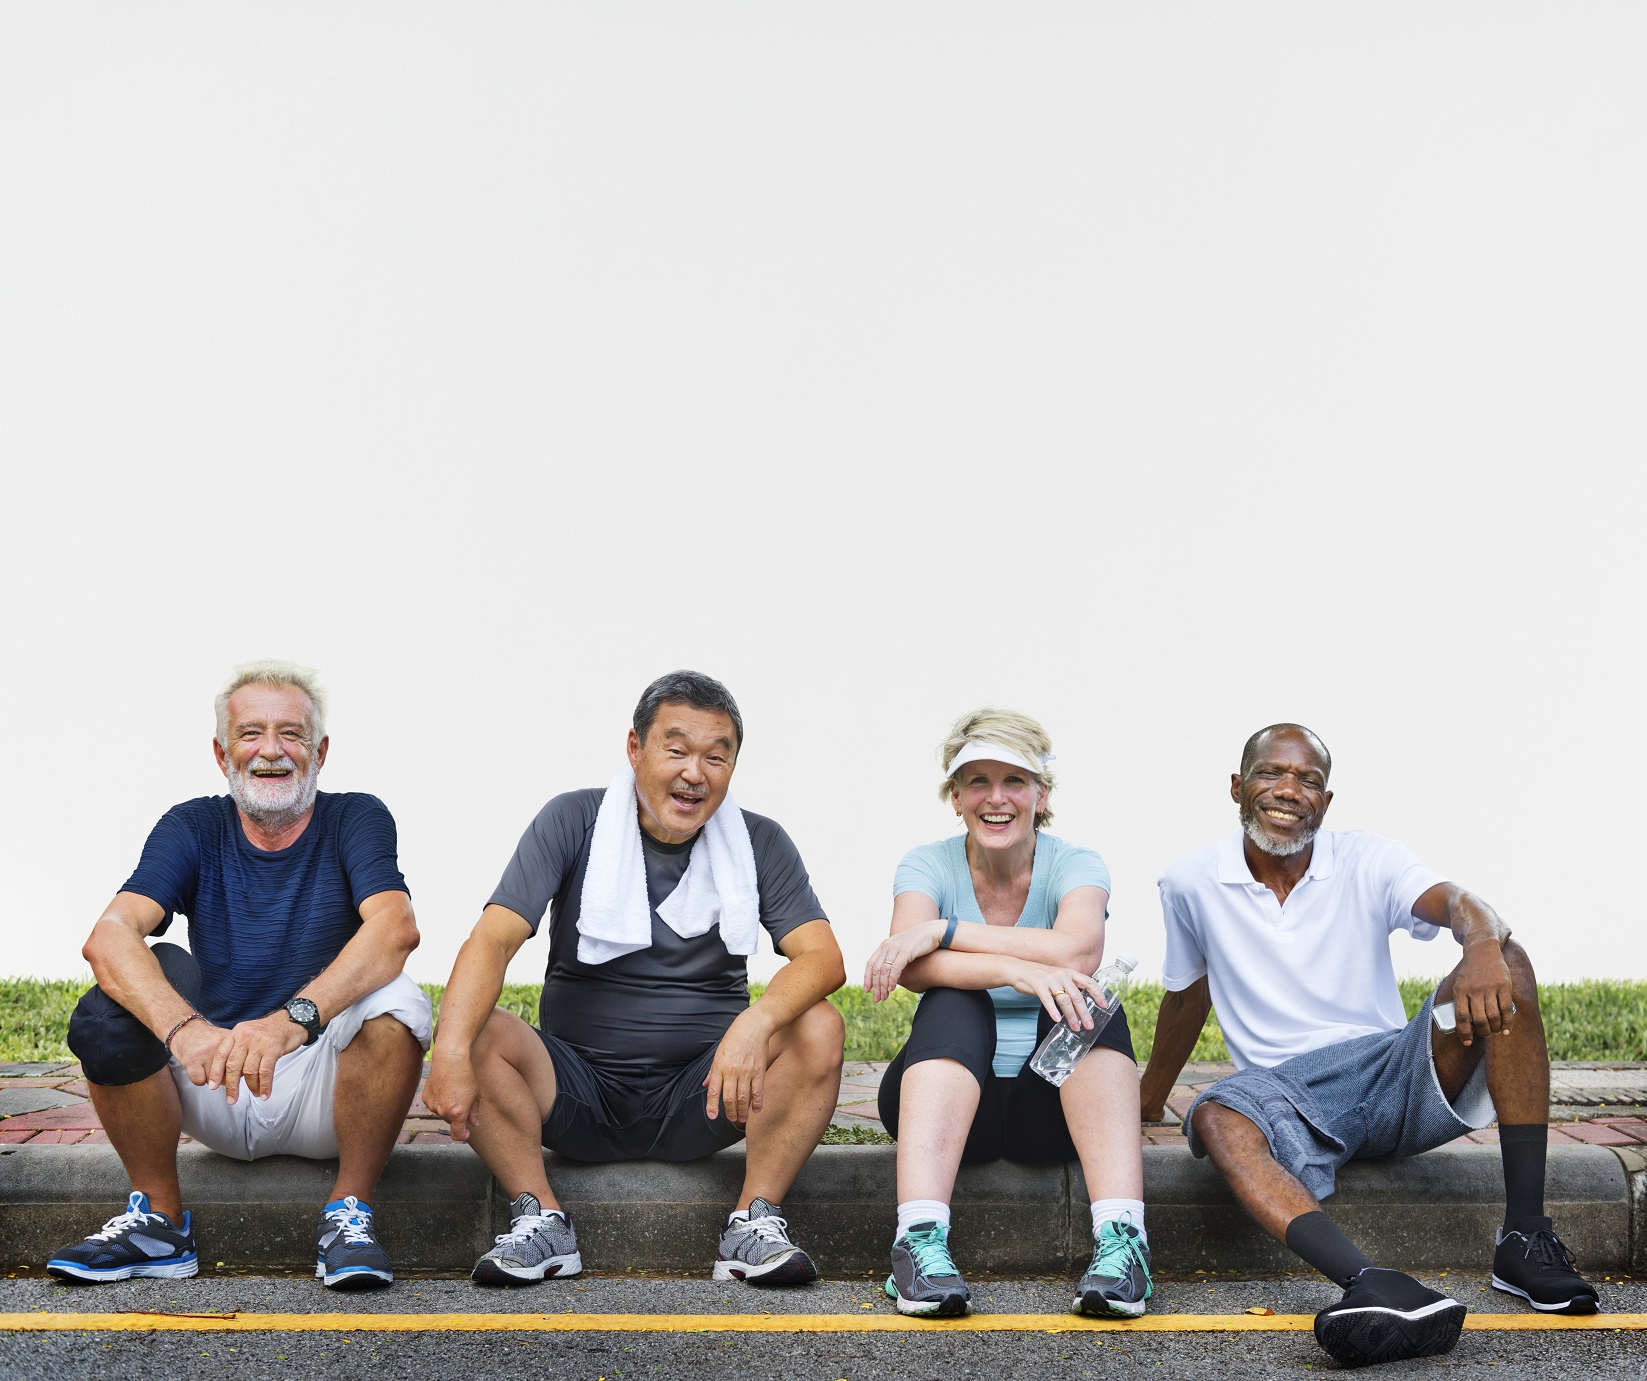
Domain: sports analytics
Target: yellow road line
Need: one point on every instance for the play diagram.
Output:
(748, 1323)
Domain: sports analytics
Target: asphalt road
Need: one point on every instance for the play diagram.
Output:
(932, 1352)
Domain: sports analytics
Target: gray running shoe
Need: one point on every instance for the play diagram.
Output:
(760, 1251)
(347, 1247)
(1117, 1282)
(924, 1279)
(537, 1246)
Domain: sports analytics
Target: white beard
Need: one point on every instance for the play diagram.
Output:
(274, 803)
(1268, 843)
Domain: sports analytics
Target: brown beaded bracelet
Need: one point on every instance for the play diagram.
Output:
(180, 1025)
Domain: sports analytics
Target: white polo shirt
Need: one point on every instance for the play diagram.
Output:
(1294, 978)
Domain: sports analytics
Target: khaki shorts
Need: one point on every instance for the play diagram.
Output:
(296, 1119)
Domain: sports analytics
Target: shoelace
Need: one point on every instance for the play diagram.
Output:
(769, 1228)
(930, 1251)
(1115, 1252)
(1546, 1249)
(523, 1227)
(355, 1226)
(120, 1223)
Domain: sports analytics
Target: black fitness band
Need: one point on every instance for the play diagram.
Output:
(949, 932)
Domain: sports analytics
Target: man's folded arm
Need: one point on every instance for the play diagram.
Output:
(125, 967)
(375, 955)
(1177, 1028)
(815, 970)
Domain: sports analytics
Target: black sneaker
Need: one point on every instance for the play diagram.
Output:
(1539, 1268)
(1385, 1317)
(138, 1242)
(347, 1247)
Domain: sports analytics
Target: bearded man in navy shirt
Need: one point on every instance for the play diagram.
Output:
(289, 1008)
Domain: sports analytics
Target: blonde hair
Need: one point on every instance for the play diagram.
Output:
(273, 672)
(1023, 735)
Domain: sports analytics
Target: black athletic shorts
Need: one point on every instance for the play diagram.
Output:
(601, 1116)
(1019, 1119)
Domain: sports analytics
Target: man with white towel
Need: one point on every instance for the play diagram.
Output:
(657, 887)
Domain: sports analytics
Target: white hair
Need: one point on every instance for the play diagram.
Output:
(274, 672)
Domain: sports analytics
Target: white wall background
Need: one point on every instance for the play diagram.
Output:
(1160, 371)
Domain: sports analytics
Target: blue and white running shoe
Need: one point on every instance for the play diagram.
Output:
(349, 1255)
(138, 1242)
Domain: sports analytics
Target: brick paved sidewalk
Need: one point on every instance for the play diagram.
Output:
(1600, 1103)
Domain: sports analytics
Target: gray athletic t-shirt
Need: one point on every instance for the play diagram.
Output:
(657, 1008)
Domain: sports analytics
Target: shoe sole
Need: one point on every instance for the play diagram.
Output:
(1099, 1306)
(489, 1272)
(159, 1270)
(1361, 1337)
(794, 1268)
(1578, 1304)
(354, 1277)
(951, 1306)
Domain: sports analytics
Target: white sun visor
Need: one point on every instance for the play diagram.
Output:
(980, 750)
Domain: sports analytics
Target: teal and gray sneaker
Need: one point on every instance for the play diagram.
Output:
(1117, 1282)
(347, 1253)
(924, 1279)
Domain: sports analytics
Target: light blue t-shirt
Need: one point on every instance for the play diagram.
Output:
(940, 871)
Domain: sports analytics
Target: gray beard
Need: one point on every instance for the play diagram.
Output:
(1269, 843)
(273, 805)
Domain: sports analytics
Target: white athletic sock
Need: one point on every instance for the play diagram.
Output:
(738, 1215)
(1120, 1210)
(920, 1211)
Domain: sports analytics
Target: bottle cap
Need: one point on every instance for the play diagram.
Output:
(1126, 961)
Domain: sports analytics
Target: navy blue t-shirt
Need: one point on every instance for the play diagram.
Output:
(263, 924)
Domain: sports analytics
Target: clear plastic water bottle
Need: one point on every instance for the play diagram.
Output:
(1065, 1045)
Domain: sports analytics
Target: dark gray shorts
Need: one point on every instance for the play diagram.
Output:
(599, 1116)
(1372, 1098)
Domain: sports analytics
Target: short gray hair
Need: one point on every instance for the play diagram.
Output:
(686, 688)
(273, 672)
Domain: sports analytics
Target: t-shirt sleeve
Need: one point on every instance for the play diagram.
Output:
(369, 850)
(1077, 867)
(1402, 880)
(169, 870)
(787, 898)
(546, 855)
(1185, 961)
(921, 870)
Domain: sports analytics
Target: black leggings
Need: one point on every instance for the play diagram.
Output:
(112, 1045)
(1019, 1119)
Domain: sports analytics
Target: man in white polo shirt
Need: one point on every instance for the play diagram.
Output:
(1284, 928)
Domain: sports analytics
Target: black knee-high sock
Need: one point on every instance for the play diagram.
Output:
(1523, 1146)
(1316, 1238)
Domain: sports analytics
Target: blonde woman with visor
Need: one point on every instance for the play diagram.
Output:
(1000, 929)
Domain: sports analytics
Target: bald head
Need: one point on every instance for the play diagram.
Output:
(1255, 746)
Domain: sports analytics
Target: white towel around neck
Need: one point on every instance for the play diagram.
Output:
(718, 887)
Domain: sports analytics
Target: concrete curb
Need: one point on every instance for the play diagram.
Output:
(438, 1209)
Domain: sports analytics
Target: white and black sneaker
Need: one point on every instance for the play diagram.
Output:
(538, 1246)
(138, 1242)
(759, 1250)
(348, 1255)
(1386, 1316)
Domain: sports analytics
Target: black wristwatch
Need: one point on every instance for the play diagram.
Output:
(306, 1015)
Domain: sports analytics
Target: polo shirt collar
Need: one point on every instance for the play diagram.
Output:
(1232, 860)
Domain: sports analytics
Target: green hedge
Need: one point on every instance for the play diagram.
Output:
(1598, 1019)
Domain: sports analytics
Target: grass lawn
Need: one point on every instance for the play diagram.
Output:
(1598, 1019)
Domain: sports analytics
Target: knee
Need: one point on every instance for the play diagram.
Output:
(820, 1037)
(1215, 1124)
(1523, 981)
